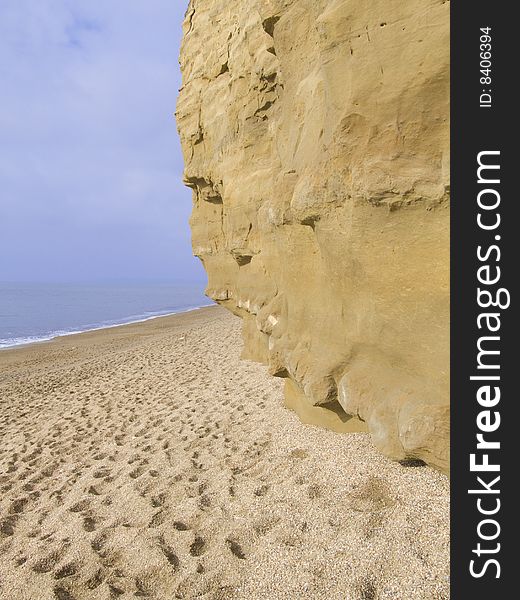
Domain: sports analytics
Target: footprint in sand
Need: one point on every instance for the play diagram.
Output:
(89, 523)
(169, 554)
(66, 571)
(98, 543)
(366, 589)
(236, 549)
(158, 519)
(96, 580)
(18, 505)
(198, 546)
(80, 506)
(158, 500)
(60, 593)
(48, 563)
(137, 472)
(7, 525)
(314, 491)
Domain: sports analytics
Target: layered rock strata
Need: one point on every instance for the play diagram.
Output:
(316, 141)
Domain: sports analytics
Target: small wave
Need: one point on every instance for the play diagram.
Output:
(141, 318)
(20, 341)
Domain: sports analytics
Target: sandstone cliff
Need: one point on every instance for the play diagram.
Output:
(316, 140)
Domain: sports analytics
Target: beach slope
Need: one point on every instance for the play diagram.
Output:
(150, 461)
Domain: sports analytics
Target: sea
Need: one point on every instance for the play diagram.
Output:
(35, 312)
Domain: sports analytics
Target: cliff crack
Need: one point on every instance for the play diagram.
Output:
(268, 25)
(189, 18)
(265, 107)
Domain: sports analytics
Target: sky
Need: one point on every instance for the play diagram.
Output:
(90, 162)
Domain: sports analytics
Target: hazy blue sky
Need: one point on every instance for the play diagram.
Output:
(90, 163)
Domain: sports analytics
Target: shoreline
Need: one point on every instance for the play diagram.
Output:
(44, 340)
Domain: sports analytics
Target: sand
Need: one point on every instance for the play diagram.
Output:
(150, 461)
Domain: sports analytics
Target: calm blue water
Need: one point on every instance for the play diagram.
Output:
(37, 312)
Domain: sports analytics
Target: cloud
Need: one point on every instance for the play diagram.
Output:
(90, 163)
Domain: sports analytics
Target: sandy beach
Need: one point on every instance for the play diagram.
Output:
(149, 461)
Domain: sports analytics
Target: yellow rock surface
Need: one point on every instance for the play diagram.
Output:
(316, 140)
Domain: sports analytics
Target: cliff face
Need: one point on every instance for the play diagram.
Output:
(316, 140)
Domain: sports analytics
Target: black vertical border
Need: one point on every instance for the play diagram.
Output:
(475, 129)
